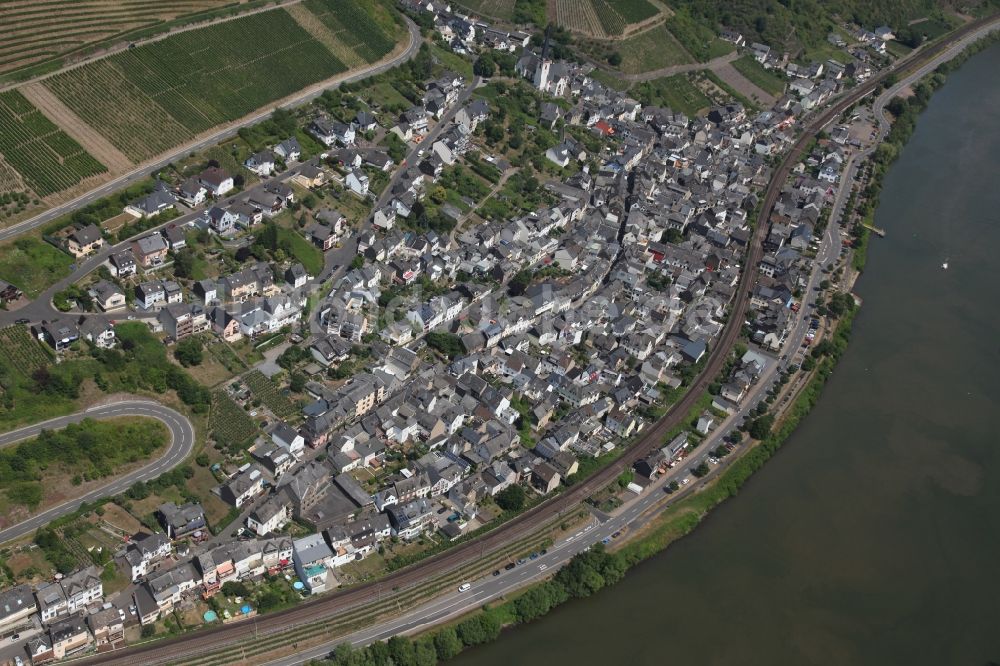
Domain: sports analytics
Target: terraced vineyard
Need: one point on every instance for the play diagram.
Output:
(47, 159)
(229, 425)
(267, 392)
(24, 353)
(37, 31)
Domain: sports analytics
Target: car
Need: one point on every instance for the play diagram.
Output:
(616, 534)
(496, 573)
(543, 567)
(121, 614)
(522, 560)
(18, 661)
(509, 566)
(14, 637)
(132, 610)
(668, 490)
(465, 587)
(534, 556)
(687, 480)
(606, 540)
(544, 551)
(22, 320)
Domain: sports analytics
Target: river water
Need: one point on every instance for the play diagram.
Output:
(873, 537)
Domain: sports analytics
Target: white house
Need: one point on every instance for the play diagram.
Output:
(261, 163)
(357, 182)
(217, 181)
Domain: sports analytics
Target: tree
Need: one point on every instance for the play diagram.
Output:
(761, 427)
(402, 652)
(479, 629)
(184, 264)
(701, 470)
(447, 643)
(358, 261)
(297, 382)
(189, 352)
(511, 498)
(615, 59)
(485, 65)
(448, 344)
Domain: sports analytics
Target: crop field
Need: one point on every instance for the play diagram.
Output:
(578, 16)
(360, 27)
(601, 18)
(677, 92)
(229, 424)
(501, 9)
(33, 32)
(265, 390)
(47, 159)
(195, 80)
(24, 353)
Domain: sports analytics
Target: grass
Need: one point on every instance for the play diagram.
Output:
(229, 424)
(610, 80)
(651, 50)
(452, 61)
(768, 81)
(33, 265)
(823, 51)
(676, 92)
(700, 41)
(305, 252)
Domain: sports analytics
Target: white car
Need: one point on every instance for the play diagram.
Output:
(465, 587)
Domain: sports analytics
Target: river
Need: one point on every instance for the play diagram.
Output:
(873, 537)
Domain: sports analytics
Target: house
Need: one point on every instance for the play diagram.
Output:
(180, 320)
(357, 182)
(192, 192)
(242, 487)
(154, 203)
(82, 589)
(330, 132)
(261, 163)
(108, 628)
(289, 150)
(99, 332)
(288, 438)
(180, 521)
(365, 121)
(885, 33)
(217, 181)
(222, 220)
(150, 251)
(84, 240)
(175, 237)
(149, 295)
(51, 601)
(145, 551)
(69, 636)
(122, 264)
(310, 176)
(58, 333)
(17, 604)
(108, 296)
(312, 558)
(545, 478)
(296, 276)
(270, 516)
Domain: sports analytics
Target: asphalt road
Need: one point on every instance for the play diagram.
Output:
(230, 130)
(180, 446)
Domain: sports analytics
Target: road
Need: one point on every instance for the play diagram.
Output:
(414, 40)
(180, 446)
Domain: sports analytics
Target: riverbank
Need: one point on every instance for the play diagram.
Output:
(681, 518)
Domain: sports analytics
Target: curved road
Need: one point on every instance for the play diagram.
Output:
(122, 181)
(180, 446)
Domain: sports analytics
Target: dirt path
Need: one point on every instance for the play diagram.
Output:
(743, 85)
(69, 122)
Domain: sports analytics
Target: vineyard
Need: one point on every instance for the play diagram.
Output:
(33, 32)
(649, 50)
(602, 18)
(151, 98)
(265, 390)
(23, 352)
(47, 159)
(229, 425)
(358, 27)
(500, 9)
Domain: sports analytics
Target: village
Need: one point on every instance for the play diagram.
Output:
(467, 303)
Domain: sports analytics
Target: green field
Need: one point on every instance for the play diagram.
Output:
(676, 92)
(265, 390)
(229, 424)
(305, 252)
(766, 80)
(47, 159)
(154, 97)
(651, 50)
(23, 352)
(32, 265)
(359, 23)
(699, 40)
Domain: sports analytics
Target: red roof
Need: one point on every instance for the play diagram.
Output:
(604, 127)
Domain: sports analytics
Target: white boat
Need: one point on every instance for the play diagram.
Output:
(944, 266)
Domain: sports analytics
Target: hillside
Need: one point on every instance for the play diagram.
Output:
(108, 115)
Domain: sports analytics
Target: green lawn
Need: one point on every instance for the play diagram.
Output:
(452, 61)
(768, 81)
(33, 265)
(676, 92)
(305, 252)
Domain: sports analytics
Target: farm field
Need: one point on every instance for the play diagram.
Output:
(24, 353)
(602, 18)
(265, 390)
(33, 32)
(46, 158)
(501, 9)
(677, 92)
(228, 424)
(767, 81)
(149, 99)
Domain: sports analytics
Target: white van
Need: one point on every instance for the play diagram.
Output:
(465, 587)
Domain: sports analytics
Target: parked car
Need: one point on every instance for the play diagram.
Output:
(465, 587)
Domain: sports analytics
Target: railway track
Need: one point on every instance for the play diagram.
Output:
(326, 607)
